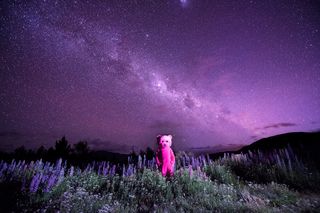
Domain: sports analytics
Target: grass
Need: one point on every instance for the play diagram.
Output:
(229, 184)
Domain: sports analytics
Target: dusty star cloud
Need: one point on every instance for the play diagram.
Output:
(118, 73)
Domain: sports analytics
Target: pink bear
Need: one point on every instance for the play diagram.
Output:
(164, 156)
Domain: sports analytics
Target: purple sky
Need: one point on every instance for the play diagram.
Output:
(215, 74)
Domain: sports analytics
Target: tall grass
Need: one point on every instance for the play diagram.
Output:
(245, 182)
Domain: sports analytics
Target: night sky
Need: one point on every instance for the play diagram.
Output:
(214, 74)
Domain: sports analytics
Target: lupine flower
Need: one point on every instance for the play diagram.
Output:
(51, 182)
(61, 176)
(58, 164)
(71, 171)
(181, 172)
(35, 183)
(123, 170)
(183, 161)
(190, 171)
(44, 178)
(3, 169)
(144, 161)
(113, 171)
(139, 162)
(105, 170)
(130, 170)
(99, 169)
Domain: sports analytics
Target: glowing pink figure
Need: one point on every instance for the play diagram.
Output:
(164, 156)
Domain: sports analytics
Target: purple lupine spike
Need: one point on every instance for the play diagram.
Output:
(187, 160)
(37, 184)
(113, 170)
(61, 176)
(190, 171)
(3, 169)
(44, 178)
(51, 182)
(31, 165)
(204, 161)
(58, 164)
(144, 161)
(181, 172)
(31, 187)
(208, 159)
(78, 171)
(123, 170)
(12, 165)
(87, 168)
(130, 170)
(199, 170)
(99, 169)
(65, 165)
(139, 162)
(22, 165)
(25, 167)
(154, 163)
(34, 183)
(151, 162)
(39, 164)
(193, 162)
(92, 167)
(18, 164)
(105, 171)
(183, 161)
(287, 154)
(133, 169)
(71, 171)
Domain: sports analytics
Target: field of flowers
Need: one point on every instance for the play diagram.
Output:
(253, 182)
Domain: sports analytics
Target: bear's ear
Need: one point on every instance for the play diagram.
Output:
(158, 138)
(170, 143)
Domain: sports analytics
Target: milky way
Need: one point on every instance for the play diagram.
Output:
(214, 74)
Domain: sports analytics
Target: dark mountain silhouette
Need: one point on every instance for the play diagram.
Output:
(113, 157)
(305, 145)
(306, 141)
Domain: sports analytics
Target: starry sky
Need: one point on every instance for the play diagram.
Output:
(215, 74)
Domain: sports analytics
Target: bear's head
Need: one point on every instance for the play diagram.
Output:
(164, 141)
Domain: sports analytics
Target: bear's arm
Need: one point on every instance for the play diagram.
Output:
(172, 157)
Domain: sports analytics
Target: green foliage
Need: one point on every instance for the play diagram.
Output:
(143, 190)
(224, 185)
(300, 179)
(273, 193)
(221, 173)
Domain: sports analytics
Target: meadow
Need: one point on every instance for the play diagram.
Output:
(253, 182)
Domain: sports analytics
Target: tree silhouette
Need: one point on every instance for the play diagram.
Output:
(51, 154)
(20, 152)
(41, 152)
(62, 147)
(81, 148)
(150, 153)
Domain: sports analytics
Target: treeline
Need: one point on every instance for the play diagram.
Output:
(77, 154)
